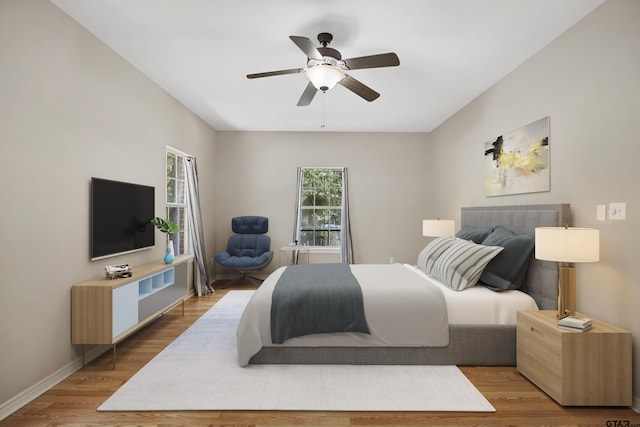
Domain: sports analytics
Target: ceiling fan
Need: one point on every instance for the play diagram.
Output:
(326, 68)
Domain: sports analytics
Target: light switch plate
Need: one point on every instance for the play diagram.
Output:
(601, 212)
(617, 211)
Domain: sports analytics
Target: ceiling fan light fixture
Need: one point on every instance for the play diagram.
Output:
(324, 77)
(326, 68)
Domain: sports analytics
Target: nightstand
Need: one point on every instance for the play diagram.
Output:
(575, 368)
(293, 254)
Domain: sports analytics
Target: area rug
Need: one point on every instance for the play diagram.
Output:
(200, 371)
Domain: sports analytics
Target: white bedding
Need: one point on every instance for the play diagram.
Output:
(481, 306)
(393, 296)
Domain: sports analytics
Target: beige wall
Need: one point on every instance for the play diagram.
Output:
(388, 180)
(68, 105)
(588, 82)
(70, 109)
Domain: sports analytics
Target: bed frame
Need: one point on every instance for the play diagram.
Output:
(489, 345)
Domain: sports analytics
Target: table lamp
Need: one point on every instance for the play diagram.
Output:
(567, 245)
(438, 227)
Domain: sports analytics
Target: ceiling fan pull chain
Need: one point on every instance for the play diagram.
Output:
(322, 119)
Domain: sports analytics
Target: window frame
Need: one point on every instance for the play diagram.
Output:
(330, 231)
(177, 209)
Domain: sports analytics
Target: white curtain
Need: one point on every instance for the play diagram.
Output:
(346, 248)
(194, 218)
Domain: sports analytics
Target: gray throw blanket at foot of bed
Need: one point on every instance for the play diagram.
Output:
(316, 299)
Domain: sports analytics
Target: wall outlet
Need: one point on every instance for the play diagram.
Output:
(392, 260)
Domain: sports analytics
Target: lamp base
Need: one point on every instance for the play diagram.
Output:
(566, 291)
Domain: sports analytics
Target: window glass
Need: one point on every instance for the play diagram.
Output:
(176, 200)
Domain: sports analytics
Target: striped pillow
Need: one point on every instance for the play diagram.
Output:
(460, 266)
(432, 251)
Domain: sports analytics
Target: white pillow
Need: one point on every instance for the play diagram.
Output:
(460, 266)
(432, 251)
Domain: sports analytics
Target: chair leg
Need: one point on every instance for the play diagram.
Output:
(237, 279)
(244, 276)
(256, 279)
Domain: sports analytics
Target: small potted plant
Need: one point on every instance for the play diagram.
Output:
(168, 227)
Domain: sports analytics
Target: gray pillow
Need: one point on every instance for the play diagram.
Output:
(476, 235)
(508, 269)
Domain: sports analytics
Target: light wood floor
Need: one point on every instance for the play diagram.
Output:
(73, 402)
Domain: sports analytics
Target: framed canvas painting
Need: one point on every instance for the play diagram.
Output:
(518, 161)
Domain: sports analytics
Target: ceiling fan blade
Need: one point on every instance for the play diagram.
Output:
(275, 73)
(307, 47)
(373, 61)
(307, 95)
(359, 88)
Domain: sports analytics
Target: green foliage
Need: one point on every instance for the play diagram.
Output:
(322, 187)
(165, 225)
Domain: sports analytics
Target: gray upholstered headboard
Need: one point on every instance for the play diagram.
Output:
(542, 277)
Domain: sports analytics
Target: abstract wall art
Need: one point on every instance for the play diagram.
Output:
(518, 161)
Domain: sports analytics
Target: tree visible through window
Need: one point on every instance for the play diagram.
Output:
(320, 207)
(176, 200)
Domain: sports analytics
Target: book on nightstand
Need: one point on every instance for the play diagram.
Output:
(574, 323)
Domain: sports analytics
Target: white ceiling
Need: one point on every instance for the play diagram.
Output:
(450, 51)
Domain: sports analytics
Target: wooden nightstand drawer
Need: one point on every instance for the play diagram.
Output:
(538, 354)
(575, 368)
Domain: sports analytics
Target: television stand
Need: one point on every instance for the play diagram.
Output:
(107, 311)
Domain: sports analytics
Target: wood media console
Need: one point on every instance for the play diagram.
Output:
(107, 311)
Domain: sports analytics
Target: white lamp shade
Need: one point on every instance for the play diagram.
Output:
(567, 244)
(324, 77)
(438, 227)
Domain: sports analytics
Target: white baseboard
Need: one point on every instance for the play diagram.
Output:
(10, 406)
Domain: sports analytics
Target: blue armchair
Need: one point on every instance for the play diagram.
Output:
(249, 249)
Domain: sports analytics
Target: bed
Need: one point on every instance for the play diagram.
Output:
(479, 331)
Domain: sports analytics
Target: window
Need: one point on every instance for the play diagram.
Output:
(320, 206)
(176, 200)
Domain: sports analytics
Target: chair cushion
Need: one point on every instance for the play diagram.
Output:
(242, 262)
(250, 224)
(249, 245)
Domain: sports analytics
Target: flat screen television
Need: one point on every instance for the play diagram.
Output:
(120, 215)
